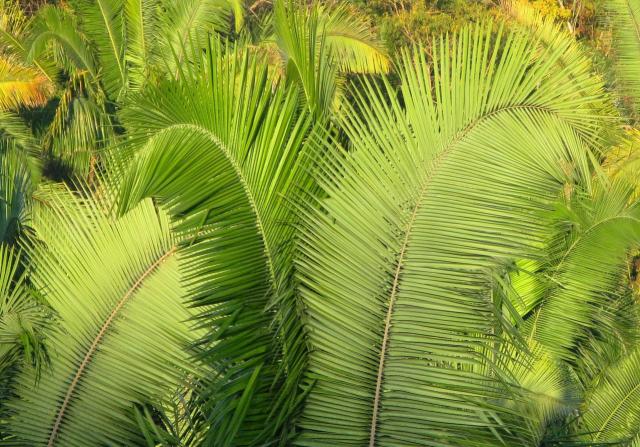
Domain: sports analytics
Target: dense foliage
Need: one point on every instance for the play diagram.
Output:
(383, 223)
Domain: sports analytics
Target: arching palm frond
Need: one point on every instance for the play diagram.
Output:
(115, 287)
(223, 148)
(353, 43)
(444, 186)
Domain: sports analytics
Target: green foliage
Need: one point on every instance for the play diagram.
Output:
(229, 223)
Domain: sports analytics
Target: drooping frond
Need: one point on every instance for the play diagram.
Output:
(444, 186)
(612, 408)
(115, 287)
(56, 32)
(223, 150)
(353, 43)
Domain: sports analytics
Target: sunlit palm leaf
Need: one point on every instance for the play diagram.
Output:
(398, 259)
(351, 38)
(222, 148)
(589, 267)
(115, 286)
(624, 16)
(22, 86)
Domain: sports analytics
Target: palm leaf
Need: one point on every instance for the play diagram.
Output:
(589, 268)
(22, 86)
(24, 321)
(222, 149)
(111, 313)
(102, 23)
(185, 24)
(352, 40)
(624, 16)
(397, 260)
(612, 409)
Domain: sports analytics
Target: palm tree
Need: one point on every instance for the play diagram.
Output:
(448, 259)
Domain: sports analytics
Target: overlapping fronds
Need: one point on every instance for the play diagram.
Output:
(123, 324)
(588, 266)
(624, 17)
(186, 24)
(623, 161)
(355, 46)
(612, 408)
(444, 186)
(24, 321)
(308, 60)
(222, 147)
(56, 32)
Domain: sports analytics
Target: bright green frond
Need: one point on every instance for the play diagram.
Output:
(187, 24)
(439, 192)
(353, 43)
(116, 289)
(612, 408)
(103, 24)
(223, 149)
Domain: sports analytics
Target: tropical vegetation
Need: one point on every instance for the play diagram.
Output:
(228, 223)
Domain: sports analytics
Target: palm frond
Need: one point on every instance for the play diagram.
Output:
(307, 59)
(624, 16)
(444, 186)
(24, 321)
(355, 46)
(115, 286)
(22, 86)
(623, 161)
(56, 32)
(612, 409)
(15, 189)
(102, 23)
(589, 267)
(141, 23)
(186, 24)
(223, 149)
